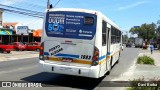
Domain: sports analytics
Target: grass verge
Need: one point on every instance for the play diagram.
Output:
(145, 60)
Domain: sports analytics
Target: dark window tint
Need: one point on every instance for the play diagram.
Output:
(89, 20)
(104, 29)
(115, 35)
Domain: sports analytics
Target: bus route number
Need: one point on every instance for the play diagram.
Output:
(85, 57)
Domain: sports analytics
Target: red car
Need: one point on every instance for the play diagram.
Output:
(33, 46)
(19, 46)
(6, 48)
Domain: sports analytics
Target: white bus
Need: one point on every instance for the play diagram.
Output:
(79, 42)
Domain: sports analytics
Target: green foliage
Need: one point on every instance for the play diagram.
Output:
(145, 60)
(145, 31)
(158, 29)
(125, 38)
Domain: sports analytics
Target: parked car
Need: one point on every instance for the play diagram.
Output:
(128, 44)
(6, 48)
(19, 46)
(33, 46)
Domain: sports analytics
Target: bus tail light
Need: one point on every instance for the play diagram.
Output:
(41, 52)
(95, 57)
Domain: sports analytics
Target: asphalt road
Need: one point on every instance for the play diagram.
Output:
(28, 70)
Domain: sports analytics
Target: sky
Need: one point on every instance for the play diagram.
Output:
(125, 13)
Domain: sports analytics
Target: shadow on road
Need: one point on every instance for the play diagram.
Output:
(56, 80)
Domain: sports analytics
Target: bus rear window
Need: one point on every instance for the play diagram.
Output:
(89, 20)
(64, 24)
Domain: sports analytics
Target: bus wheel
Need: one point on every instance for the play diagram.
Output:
(118, 58)
(110, 67)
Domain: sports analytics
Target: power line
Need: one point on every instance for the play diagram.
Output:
(22, 9)
(23, 13)
(30, 6)
(56, 3)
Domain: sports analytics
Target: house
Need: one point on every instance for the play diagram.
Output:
(11, 25)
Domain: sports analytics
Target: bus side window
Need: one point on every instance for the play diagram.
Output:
(113, 35)
(104, 28)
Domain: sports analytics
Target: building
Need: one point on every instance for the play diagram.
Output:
(16, 32)
(37, 35)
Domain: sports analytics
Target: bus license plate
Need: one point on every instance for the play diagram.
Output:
(67, 59)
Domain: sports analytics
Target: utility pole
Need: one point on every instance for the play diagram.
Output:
(48, 4)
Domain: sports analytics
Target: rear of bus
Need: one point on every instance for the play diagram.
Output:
(67, 44)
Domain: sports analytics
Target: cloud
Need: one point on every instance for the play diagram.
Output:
(132, 5)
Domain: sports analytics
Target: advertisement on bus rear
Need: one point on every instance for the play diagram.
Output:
(75, 25)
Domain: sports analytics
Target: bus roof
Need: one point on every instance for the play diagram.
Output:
(87, 11)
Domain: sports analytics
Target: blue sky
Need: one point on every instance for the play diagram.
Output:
(125, 13)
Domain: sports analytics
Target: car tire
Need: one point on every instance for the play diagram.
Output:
(1, 51)
(17, 49)
(8, 51)
(37, 49)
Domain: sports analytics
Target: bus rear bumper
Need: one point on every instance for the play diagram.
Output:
(92, 72)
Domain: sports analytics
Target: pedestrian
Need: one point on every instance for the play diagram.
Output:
(151, 48)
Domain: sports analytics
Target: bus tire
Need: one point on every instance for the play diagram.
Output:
(110, 67)
(118, 58)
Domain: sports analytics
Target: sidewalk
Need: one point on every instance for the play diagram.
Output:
(15, 55)
(155, 55)
(147, 72)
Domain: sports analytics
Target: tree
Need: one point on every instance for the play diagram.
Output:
(158, 33)
(125, 38)
(158, 28)
(145, 31)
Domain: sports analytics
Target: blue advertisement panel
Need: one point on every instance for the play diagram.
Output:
(5, 31)
(76, 25)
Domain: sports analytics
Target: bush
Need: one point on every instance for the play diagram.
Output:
(145, 60)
